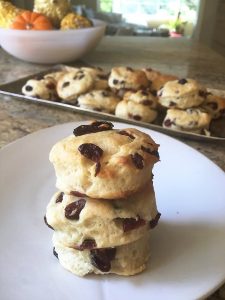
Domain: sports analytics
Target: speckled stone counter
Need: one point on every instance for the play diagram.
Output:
(178, 56)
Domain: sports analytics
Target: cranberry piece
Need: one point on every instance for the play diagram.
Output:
(168, 123)
(115, 81)
(81, 77)
(202, 93)
(28, 88)
(130, 69)
(136, 117)
(97, 168)
(101, 258)
(55, 253)
(152, 152)
(96, 126)
(86, 244)
(77, 194)
(147, 102)
(59, 199)
(72, 210)
(172, 103)
(65, 84)
(154, 221)
(91, 151)
(137, 160)
(182, 81)
(131, 223)
(46, 222)
(50, 86)
(124, 132)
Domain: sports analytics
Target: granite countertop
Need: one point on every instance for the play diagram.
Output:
(181, 57)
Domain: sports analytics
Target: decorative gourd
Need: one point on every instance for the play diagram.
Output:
(55, 10)
(74, 21)
(29, 20)
(8, 12)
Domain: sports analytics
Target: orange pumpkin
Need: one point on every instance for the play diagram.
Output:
(29, 20)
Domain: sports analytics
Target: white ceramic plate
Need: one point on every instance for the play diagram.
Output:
(188, 246)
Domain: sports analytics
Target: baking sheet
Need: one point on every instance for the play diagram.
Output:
(14, 88)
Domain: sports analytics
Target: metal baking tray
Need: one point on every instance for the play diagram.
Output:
(13, 89)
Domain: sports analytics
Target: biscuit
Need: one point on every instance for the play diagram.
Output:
(157, 79)
(107, 164)
(182, 93)
(135, 111)
(127, 78)
(192, 119)
(99, 100)
(214, 105)
(41, 89)
(74, 83)
(144, 97)
(124, 260)
(108, 223)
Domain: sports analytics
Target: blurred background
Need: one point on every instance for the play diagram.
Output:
(202, 20)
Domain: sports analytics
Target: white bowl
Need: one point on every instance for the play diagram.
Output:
(51, 46)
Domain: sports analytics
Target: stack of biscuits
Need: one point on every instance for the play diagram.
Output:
(105, 208)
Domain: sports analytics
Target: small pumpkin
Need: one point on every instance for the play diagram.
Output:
(29, 20)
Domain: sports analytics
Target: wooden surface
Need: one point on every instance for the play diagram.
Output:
(177, 56)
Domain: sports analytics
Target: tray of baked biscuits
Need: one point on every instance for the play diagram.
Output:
(180, 107)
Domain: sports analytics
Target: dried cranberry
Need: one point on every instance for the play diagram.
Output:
(72, 210)
(46, 222)
(130, 69)
(50, 86)
(86, 244)
(202, 93)
(65, 84)
(182, 81)
(28, 88)
(131, 223)
(124, 132)
(172, 103)
(91, 151)
(167, 123)
(115, 81)
(137, 160)
(59, 198)
(101, 258)
(96, 126)
(81, 77)
(55, 253)
(154, 221)
(77, 194)
(135, 117)
(147, 102)
(152, 152)
(97, 168)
